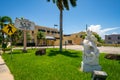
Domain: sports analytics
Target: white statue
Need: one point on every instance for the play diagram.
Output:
(90, 54)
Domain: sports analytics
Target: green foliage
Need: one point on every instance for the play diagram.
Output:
(52, 66)
(112, 45)
(3, 20)
(0, 38)
(40, 35)
(6, 19)
(99, 39)
(28, 36)
(55, 65)
(17, 36)
(4, 45)
(61, 4)
(82, 35)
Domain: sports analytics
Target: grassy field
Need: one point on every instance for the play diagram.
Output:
(55, 65)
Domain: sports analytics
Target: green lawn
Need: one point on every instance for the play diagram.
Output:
(55, 65)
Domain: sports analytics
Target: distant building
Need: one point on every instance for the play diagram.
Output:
(112, 39)
(73, 39)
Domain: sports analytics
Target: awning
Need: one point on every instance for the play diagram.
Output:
(49, 37)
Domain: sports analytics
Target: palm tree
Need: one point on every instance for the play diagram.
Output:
(40, 35)
(61, 4)
(3, 21)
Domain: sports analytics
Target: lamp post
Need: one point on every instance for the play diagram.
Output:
(55, 25)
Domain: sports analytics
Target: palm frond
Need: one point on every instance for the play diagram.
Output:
(59, 4)
(66, 5)
(54, 1)
(6, 18)
(73, 2)
(48, 0)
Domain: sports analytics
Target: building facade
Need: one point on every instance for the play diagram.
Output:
(112, 39)
(51, 34)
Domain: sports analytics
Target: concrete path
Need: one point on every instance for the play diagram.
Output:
(112, 50)
(4, 71)
(102, 49)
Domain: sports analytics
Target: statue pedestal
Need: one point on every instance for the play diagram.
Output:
(89, 67)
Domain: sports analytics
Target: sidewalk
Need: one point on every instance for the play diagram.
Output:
(4, 71)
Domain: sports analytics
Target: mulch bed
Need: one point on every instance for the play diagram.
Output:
(41, 51)
(112, 56)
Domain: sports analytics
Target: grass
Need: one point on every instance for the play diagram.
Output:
(55, 65)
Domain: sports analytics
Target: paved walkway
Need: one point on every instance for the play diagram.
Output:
(4, 71)
(102, 49)
(112, 50)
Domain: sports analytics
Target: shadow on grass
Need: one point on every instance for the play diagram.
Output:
(65, 53)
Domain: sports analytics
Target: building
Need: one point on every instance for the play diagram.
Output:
(51, 34)
(73, 39)
(112, 39)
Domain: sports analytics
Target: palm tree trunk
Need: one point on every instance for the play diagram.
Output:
(61, 30)
(25, 42)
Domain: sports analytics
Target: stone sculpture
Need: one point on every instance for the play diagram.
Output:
(90, 54)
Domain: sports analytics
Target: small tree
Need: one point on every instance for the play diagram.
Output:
(40, 35)
(17, 36)
(28, 36)
(99, 39)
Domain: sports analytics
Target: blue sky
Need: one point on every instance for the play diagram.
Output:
(102, 16)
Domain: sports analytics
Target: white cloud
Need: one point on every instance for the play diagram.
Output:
(98, 29)
(114, 33)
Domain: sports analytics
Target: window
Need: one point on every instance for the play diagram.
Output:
(109, 42)
(118, 42)
(81, 36)
(48, 32)
(118, 37)
(69, 41)
(52, 32)
(109, 38)
(41, 30)
(32, 32)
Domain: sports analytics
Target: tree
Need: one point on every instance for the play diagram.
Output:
(3, 21)
(40, 35)
(0, 38)
(61, 4)
(17, 36)
(28, 36)
(99, 39)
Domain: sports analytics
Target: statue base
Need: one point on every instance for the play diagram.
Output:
(89, 68)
